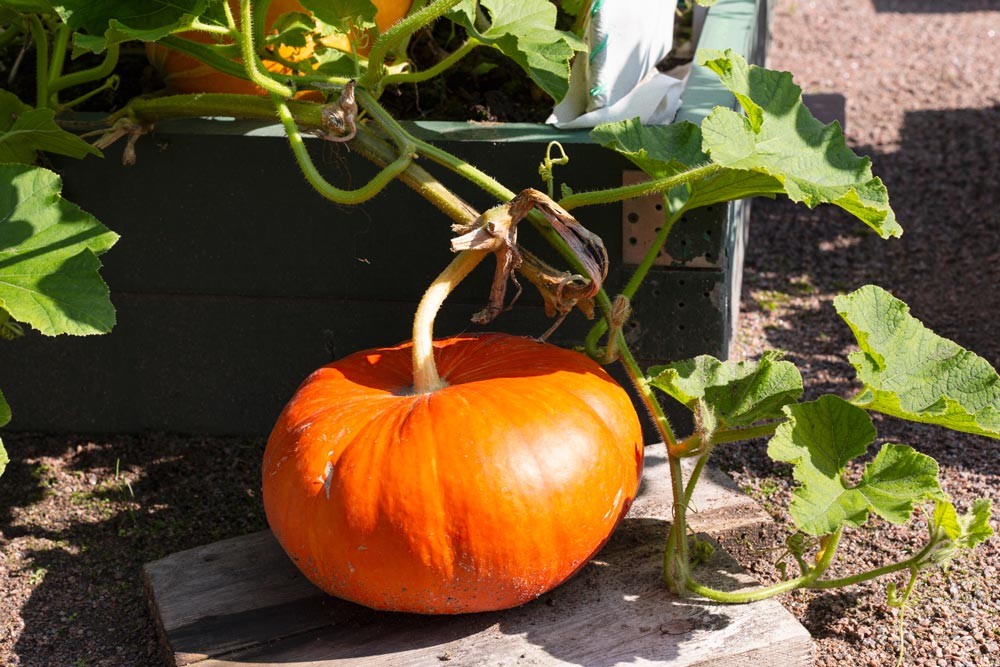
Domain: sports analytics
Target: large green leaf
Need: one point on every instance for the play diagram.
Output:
(4, 419)
(115, 21)
(525, 31)
(659, 150)
(819, 439)
(908, 371)
(727, 394)
(779, 137)
(778, 147)
(48, 256)
(25, 130)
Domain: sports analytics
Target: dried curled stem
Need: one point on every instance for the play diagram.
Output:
(123, 127)
(340, 118)
(496, 231)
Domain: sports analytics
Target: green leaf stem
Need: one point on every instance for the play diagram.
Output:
(910, 372)
(819, 439)
(48, 256)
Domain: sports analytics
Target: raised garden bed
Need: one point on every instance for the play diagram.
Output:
(222, 304)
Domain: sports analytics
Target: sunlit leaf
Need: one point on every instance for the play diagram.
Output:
(956, 532)
(4, 420)
(344, 14)
(908, 371)
(734, 394)
(48, 256)
(777, 147)
(819, 439)
(105, 22)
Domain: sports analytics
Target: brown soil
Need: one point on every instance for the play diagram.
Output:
(79, 515)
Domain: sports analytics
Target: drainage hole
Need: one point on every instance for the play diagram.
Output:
(633, 240)
(633, 217)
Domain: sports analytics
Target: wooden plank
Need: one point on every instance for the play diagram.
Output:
(242, 602)
(717, 505)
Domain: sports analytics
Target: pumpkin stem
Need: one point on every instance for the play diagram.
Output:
(496, 231)
(425, 375)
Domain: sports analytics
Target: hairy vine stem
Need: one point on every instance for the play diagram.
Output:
(41, 61)
(101, 71)
(373, 78)
(251, 59)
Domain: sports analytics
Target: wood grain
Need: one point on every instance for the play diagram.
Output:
(242, 602)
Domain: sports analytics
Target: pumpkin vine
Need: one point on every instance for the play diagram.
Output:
(327, 77)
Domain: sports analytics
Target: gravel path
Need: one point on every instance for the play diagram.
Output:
(923, 99)
(79, 516)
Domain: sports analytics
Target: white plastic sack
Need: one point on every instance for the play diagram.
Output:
(618, 79)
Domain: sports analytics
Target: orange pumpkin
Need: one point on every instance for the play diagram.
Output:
(184, 74)
(478, 496)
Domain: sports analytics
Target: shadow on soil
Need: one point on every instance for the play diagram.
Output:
(934, 6)
(83, 533)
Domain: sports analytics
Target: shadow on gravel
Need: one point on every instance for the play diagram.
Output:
(84, 533)
(826, 609)
(942, 182)
(942, 185)
(934, 6)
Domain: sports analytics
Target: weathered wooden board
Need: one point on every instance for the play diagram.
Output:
(242, 602)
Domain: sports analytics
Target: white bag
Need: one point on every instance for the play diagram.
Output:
(618, 79)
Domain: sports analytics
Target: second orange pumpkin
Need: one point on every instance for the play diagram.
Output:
(184, 74)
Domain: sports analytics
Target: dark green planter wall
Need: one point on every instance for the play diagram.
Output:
(233, 280)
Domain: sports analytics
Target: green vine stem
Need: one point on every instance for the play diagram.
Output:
(307, 115)
(81, 77)
(655, 186)
(200, 26)
(111, 83)
(695, 475)
(639, 275)
(251, 59)
(58, 59)
(207, 54)
(435, 70)
(320, 184)
(425, 375)
(373, 78)
(810, 580)
(41, 61)
(259, 17)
